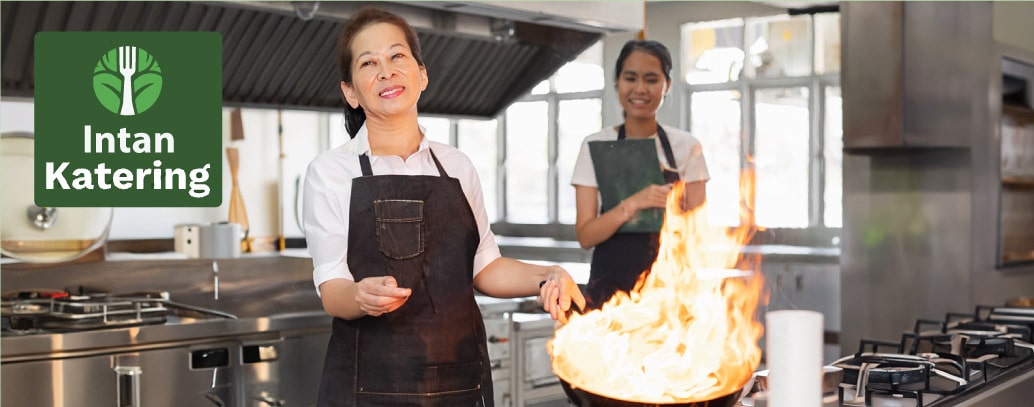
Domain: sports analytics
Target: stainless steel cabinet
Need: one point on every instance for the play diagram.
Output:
(166, 379)
(261, 370)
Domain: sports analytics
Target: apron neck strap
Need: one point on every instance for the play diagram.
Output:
(364, 163)
(665, 144)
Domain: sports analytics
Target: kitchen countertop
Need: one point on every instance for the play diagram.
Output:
(176, 330)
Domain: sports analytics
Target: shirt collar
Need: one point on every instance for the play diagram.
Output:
(361, 143)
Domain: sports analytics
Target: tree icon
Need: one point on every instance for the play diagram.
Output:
(127, 80)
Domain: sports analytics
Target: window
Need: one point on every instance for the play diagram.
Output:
(436, 129)
(712, 52)
(478, 139)
(768, 88)
(527, 162)
(543, 133)
(833, 147)
(576, 119)
(716, 123)
(781, 157)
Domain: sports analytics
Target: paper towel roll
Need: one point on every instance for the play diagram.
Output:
(793, 350)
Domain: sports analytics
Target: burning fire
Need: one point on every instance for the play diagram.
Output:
(687, 332)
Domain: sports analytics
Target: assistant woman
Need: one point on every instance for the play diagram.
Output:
(400, 240)
(642, 79)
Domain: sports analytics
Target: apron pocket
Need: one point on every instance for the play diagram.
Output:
(400, 230)
(472, 398)
(451, 379)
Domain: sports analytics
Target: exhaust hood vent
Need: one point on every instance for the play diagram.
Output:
(915, 74)
(275, 57)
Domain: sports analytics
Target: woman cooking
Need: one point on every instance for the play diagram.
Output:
(643, 79)
(400, 240)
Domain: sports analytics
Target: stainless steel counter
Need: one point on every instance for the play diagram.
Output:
(75, 344)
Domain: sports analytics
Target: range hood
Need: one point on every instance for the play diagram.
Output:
(480, 56)
(914, 74)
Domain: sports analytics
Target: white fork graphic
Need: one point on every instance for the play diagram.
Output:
(127, 67)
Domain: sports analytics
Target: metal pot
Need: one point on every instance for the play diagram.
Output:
(583, 398)
(831, 378)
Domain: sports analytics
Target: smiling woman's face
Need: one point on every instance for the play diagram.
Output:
(641, 85)
(386, 78)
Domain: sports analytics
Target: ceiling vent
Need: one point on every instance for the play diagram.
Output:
(282, 54)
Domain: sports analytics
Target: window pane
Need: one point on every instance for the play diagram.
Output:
(827, 43)
(436, 129)
(338, 135)
(779, 47)
(527, 164)
(578, 119)
(585, 73)
(716, 123)
(833, 152)
(477, 139)
(712, 52)
(781, 157)
(541, 89)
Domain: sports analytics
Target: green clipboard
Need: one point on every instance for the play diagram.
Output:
(623, 167)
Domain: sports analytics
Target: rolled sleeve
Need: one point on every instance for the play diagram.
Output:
(325, 217)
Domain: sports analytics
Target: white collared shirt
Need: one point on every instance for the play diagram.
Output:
(328, 193)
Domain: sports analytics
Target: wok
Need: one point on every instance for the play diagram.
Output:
(583, 398)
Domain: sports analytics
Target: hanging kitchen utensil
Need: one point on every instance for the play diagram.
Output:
(238, 213)
(236, 125)
(281, 241)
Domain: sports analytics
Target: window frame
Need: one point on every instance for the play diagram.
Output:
(552, 228)
(815, 233)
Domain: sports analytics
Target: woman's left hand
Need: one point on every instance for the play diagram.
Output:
(559, 293)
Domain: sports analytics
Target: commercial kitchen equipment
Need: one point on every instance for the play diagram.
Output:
(261, 343)
(534, 383)
(981, 359)
(141, 349)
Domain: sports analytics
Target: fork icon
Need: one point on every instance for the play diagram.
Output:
(127, 67)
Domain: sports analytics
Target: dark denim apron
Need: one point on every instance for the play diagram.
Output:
(618, 261)
(432, 350)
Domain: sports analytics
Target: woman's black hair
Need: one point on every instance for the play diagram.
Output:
(650, 47)
(355, 117)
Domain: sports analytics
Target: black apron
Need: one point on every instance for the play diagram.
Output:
(431, 351)
(618, 261)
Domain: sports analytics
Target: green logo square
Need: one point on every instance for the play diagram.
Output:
(128, 119)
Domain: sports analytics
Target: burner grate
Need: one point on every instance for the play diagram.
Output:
(79, 313)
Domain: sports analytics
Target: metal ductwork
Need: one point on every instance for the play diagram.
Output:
(283, 55)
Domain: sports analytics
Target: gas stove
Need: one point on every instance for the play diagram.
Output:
(943, 362)
(59, 311)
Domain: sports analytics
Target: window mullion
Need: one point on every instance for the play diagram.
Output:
(552, 147)
(816, 165)
(747, 140)
(500, 191)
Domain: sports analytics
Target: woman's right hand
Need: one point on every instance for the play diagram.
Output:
(377, 296)
(653, 196)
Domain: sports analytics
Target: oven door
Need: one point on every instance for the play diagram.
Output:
(535, 383)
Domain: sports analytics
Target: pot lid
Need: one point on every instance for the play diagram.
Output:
(41, 235)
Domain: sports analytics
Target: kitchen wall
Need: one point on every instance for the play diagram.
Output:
(921, 224)
(1012, 23)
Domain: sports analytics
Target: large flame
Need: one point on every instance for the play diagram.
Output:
(687, 332)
